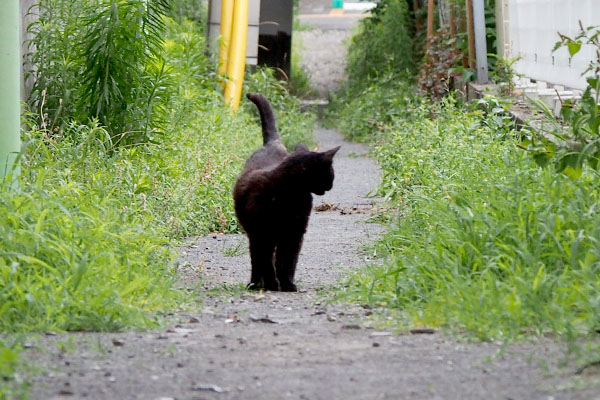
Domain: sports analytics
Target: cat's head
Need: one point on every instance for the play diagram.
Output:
(318, 167)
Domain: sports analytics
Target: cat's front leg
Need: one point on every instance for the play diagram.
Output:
(286, 259)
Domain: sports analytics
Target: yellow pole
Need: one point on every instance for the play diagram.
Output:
(226, 22)
(236, 62)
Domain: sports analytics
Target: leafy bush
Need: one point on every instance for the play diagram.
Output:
(440, 59)
(99, 60)
(364, 114)
(9, 362)
(383, 44)
(194, 10)
(72, 259)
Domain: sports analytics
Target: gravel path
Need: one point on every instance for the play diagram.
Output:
(241, 345)
(324, 45)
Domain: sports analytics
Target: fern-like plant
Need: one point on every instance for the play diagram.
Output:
(100, 60)
(122, 39)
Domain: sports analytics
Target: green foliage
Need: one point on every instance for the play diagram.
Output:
(86, 237)
(194, 10)
(54, 62)
(10, 386)
(122, 74)
(8, 361)
(364, 114)
(484, 241)
(72, 260)
(568, 148)
(99, 60)
(503, 74)
(383, 44)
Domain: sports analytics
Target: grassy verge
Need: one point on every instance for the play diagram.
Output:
(87, 237)
(485, 241)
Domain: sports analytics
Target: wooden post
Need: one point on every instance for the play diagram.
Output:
(430, 10)
(452, 21)
(470, 33)
(480, 41)
(418, 21)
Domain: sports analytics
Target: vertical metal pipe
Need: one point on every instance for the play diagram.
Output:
(236, 62)
(480, 41)
(225, 32)
(10, 88)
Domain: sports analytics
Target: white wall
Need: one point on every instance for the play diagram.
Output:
(531, 28)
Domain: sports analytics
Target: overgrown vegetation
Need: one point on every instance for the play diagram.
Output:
(482, 241)
(384, 44)
(88, 235)
(485, 241)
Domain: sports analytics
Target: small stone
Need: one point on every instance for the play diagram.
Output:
(207, 387)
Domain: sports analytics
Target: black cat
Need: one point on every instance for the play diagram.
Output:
(273, 201)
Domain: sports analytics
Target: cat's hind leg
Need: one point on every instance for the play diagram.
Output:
(263, 270)
(286, 259)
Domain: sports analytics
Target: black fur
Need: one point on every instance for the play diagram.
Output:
(273, 200)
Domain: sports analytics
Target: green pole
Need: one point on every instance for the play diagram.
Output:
(10, 89)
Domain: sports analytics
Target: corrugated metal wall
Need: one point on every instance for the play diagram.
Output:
(531, 28)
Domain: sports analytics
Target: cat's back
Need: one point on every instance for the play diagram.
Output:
(266, 157)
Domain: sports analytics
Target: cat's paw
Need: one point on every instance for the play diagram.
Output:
(273, 286)
(288, 287)
(255, 286)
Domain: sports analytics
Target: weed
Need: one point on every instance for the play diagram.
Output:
(240, 248)
(102, 61)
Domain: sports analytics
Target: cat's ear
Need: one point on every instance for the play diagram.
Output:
(301, 147)
(328, 155)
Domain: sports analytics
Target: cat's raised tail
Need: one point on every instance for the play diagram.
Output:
(267, 117)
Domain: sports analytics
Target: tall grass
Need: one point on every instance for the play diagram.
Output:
(85, 241)
(485, 241)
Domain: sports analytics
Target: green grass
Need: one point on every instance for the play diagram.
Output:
(87, 237)
(485, 242)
